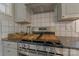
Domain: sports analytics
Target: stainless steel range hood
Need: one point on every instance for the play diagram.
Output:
(41, 7)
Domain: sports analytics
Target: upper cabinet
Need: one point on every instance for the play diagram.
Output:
(22, 13)
(68, 11)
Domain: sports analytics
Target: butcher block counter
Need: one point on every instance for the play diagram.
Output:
(68, 42)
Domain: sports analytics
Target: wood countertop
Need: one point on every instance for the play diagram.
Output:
(68, 42)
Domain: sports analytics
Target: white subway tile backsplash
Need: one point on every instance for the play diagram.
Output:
(74, 26)
(57, 33)
(4, 34)
(62, 34)
(69, 27)
(42, 19)
(11, 24)
(4, 23)
(62, 28)
(58, 29)
(16, 29)
(11, 28)
(5, 29)
(74, 34)
(68, 34)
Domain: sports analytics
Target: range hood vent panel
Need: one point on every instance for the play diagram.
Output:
(41, 7)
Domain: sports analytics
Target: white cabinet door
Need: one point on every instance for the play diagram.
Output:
(63, 9)
(8, 44)
(9, 52)
(74, 52)
(22, 12)
(59, 50)
(19, 12)
(72, 9)
(68, 11)
(65, 51)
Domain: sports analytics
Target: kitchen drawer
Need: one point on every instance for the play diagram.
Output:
(59, 50)
(10, 44)
(65, 51)
(74, 52)
(9, 52)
